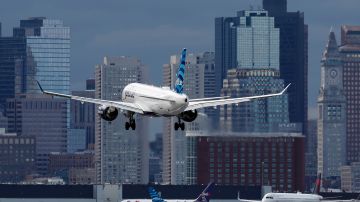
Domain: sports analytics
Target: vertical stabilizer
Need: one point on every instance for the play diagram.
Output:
(180, 73)
(154, 195)
(206, 194)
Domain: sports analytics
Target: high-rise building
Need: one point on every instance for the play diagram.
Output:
(332, 113)
(257, 73)
(82, 115)
(257, 41)
(155, 159)
(17, 157)
(48, 54)
(197, 67)
(122, 156)
(311, 155)
(293, 57)
(251, 159)
(225, 48)
(350, 54)
(45, 119)
(12, 63)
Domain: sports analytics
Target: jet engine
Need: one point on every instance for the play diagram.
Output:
(189, 116)
(108, 113)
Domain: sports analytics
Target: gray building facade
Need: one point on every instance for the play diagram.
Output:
(43, 118)
(350, 55)
(331, 148)
(122, 156)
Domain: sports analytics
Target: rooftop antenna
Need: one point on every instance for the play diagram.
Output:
(331, 29)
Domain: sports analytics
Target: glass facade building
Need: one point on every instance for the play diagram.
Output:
(262, 115)
(48, 54)
(293, 57)
(257, 41)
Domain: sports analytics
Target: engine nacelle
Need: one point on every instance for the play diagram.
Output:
(189, 116)
(108, 113)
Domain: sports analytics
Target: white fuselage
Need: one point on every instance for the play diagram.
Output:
(291, 197)
(155, 101)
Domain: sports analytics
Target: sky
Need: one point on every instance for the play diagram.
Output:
(153, 30)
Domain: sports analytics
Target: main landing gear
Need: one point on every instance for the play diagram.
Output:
(179, 124)
(131, 124)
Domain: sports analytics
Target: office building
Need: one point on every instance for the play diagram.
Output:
(12, 63)
(122, 156)
(350, 177)
(293, 57)
(332, 113)
(74, 168)
(82, 115)
(48, 54)
(251, 159)
(257, 41)
(263, 115)
(257, 73)
(311, 155)
(197, 67)
(45, 119)
(76, 140)
(17, 157)
(155, 159)
(350, 55)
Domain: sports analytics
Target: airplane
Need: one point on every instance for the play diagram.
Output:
(148, 100)
(297, 197)
(203, 197)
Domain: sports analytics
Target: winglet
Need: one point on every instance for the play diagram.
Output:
(181, 73)
(283, 91)
(42, 90)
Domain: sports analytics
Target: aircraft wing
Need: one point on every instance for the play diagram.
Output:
(197, 104)
(120, 105)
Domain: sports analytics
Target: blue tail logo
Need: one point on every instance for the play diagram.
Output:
(181, 73)
(154, 195)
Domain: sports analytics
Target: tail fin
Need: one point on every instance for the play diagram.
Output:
(317, 184)
(154, 195)
(206, 194)
(180, 73)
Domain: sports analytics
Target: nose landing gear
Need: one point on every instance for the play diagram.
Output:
(179, 124)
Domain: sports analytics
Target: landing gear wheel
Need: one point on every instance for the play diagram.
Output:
(182, 126)
(133, 125)
(127, 126)
(176, 126)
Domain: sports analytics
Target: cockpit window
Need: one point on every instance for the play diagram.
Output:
(269, 197)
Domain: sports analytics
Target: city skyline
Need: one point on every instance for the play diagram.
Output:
(126, 33)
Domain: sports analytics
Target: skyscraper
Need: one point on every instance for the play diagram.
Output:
(257, 73)
(331, 125)
(121, 156)
(293, 57)
(82, 115)
(48, 54)
(12, 63)
(350, 54)
(225, 48)
(199, 71)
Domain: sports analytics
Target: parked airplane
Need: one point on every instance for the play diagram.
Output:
(297, 197)
(150, 100)
(203, 197)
